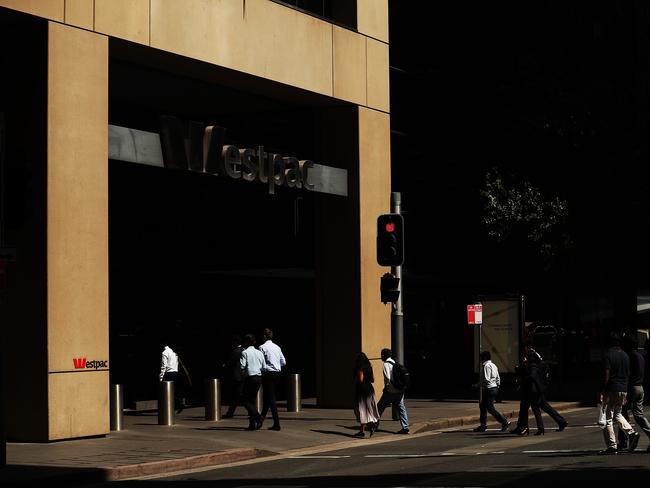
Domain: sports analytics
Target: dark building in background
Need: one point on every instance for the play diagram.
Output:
(548, 102)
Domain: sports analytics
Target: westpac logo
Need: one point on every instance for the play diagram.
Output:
(81, 363)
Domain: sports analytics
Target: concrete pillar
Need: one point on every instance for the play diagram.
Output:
(57, 314)
(350, 315)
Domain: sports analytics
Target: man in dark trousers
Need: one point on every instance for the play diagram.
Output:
(635, 390)
(251, 363)
(614, 393)
(236, 378)
(489, 382)
(273, 363)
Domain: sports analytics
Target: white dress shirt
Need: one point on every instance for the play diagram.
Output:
(490, 375)
(169, 362)
(388, 376)
(273, 358)
(251, 362)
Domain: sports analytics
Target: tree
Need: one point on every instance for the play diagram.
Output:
(515, 209)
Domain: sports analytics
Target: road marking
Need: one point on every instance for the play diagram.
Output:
(551, 451)
(395, 455)
(318, 457)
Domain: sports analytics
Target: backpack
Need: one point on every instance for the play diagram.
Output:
(401, 376)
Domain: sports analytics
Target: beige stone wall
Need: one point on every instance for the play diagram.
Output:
(49, 9)
(77, 226)
(372, 18)
(257, 37)
(374, 199)
(80, 13)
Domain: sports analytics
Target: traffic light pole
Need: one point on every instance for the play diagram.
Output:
(397, 314)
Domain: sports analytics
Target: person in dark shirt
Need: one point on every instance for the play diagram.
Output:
(634, 390)
(235, 377)
(614, 393)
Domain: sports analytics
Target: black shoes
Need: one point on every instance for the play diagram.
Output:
(633, 440)
(609, 450)
(360, 435)
(480, 428)
(504, 427)
(539, 432)
(274, 427)
(519, 431)
(562, 426)
(404, 431)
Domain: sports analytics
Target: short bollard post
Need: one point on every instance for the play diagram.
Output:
(212, 400)
(259, 400)
(293, 393)
(117, 407)
(166, 403)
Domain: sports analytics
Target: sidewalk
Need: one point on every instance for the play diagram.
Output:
(145, 448)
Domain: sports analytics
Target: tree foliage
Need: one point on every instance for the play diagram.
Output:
(516, 209)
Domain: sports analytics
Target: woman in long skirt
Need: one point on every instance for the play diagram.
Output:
(365, 405)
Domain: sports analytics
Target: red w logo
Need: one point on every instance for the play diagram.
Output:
(79, 363)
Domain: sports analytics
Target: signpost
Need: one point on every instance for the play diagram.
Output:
(475, 317)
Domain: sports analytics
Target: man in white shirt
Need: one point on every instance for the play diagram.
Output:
(251, 363)
(489, 382)
(392, 394)
(169, 372)
(273, 363)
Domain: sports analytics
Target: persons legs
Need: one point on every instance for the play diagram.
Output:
(251, 387)
(489, 396)
(269, 384)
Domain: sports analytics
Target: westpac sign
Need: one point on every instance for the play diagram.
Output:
(195, 147)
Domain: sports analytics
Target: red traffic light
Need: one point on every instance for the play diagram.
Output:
(390, 227)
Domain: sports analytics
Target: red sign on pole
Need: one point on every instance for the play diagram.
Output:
(475, 314)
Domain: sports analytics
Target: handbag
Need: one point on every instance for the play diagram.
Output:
(602, 416)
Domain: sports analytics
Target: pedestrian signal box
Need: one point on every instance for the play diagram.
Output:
(389, 288)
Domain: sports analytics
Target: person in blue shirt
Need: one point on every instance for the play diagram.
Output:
(251, 363)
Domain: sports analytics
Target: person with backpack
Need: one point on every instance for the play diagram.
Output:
(396, 380)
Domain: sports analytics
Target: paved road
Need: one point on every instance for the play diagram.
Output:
(450, 458)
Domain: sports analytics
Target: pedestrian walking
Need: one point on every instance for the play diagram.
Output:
(544, 406)
(393, 393)
(365, 405)
(169, 372)
(235, 377)
(274, 361)
(635, 391)
(614, 393)
(251, 363)
(489, 382)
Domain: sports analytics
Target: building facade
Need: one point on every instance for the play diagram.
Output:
(87, 85)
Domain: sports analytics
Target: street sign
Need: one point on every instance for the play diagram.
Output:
(475, 314)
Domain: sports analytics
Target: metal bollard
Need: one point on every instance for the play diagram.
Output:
(259, 400)
(166, 403)
(293, 393)
(117, 407)
(212, 400)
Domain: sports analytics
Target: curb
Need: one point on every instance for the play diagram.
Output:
(474, 419)
(169, 466)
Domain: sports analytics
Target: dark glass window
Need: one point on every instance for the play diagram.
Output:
(341, 12)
